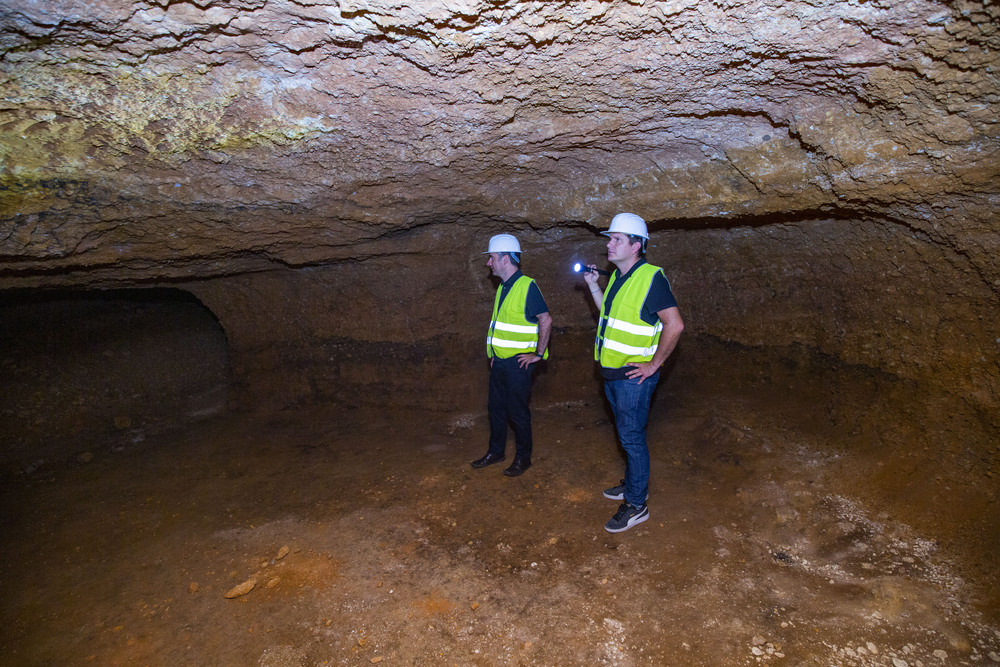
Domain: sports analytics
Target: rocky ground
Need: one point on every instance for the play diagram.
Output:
(366, 538)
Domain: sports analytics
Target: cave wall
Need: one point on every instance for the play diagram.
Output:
(875, 293)
(408, 328)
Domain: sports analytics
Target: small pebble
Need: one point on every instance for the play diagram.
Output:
(241, 589)
(941, 655)
(899, 662)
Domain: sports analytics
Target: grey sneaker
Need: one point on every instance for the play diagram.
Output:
(618, 492)
(627, 516)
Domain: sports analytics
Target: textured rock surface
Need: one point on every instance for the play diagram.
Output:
(159, 137)
(826, 172)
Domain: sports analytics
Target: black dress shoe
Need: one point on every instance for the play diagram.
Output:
(517, 467)
(488, 460)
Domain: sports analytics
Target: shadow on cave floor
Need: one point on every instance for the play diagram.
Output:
(768, 543)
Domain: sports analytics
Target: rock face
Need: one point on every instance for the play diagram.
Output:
(323, 175)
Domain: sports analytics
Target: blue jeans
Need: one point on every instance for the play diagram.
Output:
(630, 404)
(510, 391)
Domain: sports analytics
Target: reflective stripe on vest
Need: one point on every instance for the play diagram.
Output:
(627, 338)
(510, 332)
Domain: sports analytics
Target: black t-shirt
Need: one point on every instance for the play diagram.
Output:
(534, 304)
(659, 297)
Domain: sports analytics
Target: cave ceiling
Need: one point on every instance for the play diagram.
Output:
(172, 139)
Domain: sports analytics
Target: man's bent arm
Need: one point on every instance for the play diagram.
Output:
(544, 331)
(673, 325)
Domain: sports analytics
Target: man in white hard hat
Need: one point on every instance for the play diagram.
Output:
(638, 329)
(517, 339)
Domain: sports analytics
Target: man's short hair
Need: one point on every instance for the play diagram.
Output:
(515, 257)
(638, 239)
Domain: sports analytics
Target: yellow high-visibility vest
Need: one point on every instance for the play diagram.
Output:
(627, 338)
(510, 332)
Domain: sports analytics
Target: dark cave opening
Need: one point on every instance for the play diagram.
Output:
(86, 369)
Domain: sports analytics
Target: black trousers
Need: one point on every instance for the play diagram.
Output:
(510, 391)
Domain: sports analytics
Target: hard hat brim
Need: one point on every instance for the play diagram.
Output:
(625, 233)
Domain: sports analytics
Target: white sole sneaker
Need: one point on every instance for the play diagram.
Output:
(619, 523)
(617, 493)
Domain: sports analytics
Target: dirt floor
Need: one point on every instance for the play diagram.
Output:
(368, 538)
(802, 513)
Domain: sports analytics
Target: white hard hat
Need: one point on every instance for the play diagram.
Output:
(503, 243)
(628, 223)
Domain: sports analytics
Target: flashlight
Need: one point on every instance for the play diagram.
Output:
(580, 268)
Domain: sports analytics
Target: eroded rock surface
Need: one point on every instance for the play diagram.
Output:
(162, 138)
(826, 172)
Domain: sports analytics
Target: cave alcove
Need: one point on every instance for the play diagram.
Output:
(87, 370)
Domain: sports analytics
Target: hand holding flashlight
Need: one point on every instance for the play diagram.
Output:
(580, 268)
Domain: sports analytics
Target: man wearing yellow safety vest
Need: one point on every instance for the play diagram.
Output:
(639, 328)
(517, 339)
